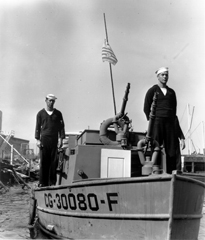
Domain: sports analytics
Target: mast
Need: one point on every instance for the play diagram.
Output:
(203, 138)
(113, 93)
(190, 119)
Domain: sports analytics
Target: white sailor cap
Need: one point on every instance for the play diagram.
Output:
(161, 70)
(51, 96)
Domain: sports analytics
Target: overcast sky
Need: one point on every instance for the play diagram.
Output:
(54, 46)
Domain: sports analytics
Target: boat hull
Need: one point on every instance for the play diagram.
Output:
(155, 207)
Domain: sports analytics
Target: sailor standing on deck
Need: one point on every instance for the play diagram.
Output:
(49, 134)
(164, 130)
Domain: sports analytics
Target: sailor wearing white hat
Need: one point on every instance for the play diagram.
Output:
(51, 96)
(161, 70)
(163, 76)
(49, 134)
(164, 124)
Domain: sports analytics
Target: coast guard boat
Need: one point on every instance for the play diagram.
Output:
(112, 184)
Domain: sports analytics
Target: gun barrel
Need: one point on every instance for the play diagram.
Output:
(125, 99)
(152, 116)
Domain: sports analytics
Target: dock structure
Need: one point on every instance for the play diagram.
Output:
(194, 163)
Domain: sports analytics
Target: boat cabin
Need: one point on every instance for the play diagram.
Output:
(86, 157)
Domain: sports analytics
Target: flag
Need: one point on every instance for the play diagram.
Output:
(108, 54)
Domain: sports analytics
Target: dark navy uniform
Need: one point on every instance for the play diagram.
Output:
(164, 131)
(48, 129)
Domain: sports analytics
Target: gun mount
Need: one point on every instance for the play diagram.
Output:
(149, 143)
(121, 124)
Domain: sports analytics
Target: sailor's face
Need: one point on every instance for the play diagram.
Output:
(50, 103)
(163, 77)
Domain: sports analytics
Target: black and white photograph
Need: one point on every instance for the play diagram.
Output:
(102, 119)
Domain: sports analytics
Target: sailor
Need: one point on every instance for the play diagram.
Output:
(164, 129)
(49, 134)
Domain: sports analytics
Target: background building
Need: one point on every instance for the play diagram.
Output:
(21, 145)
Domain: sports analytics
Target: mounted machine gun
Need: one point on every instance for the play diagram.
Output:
(121, 124)
(149, 158)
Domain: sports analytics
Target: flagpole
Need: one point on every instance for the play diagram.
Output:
(113, 93)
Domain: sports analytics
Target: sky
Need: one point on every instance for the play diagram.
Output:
(54, 46)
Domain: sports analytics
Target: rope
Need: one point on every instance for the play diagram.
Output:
(193, 130)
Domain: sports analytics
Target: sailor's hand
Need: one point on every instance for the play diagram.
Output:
(182, 144)
(60, 142)
(38, 143)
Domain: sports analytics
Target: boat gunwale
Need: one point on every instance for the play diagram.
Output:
(109, 181)
(190, 179)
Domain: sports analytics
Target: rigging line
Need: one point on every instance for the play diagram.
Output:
(182, 115)
(196, 144)
(193, 130)
(193, 145)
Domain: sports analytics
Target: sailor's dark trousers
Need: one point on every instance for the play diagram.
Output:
(48, 161)
(164, 133)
